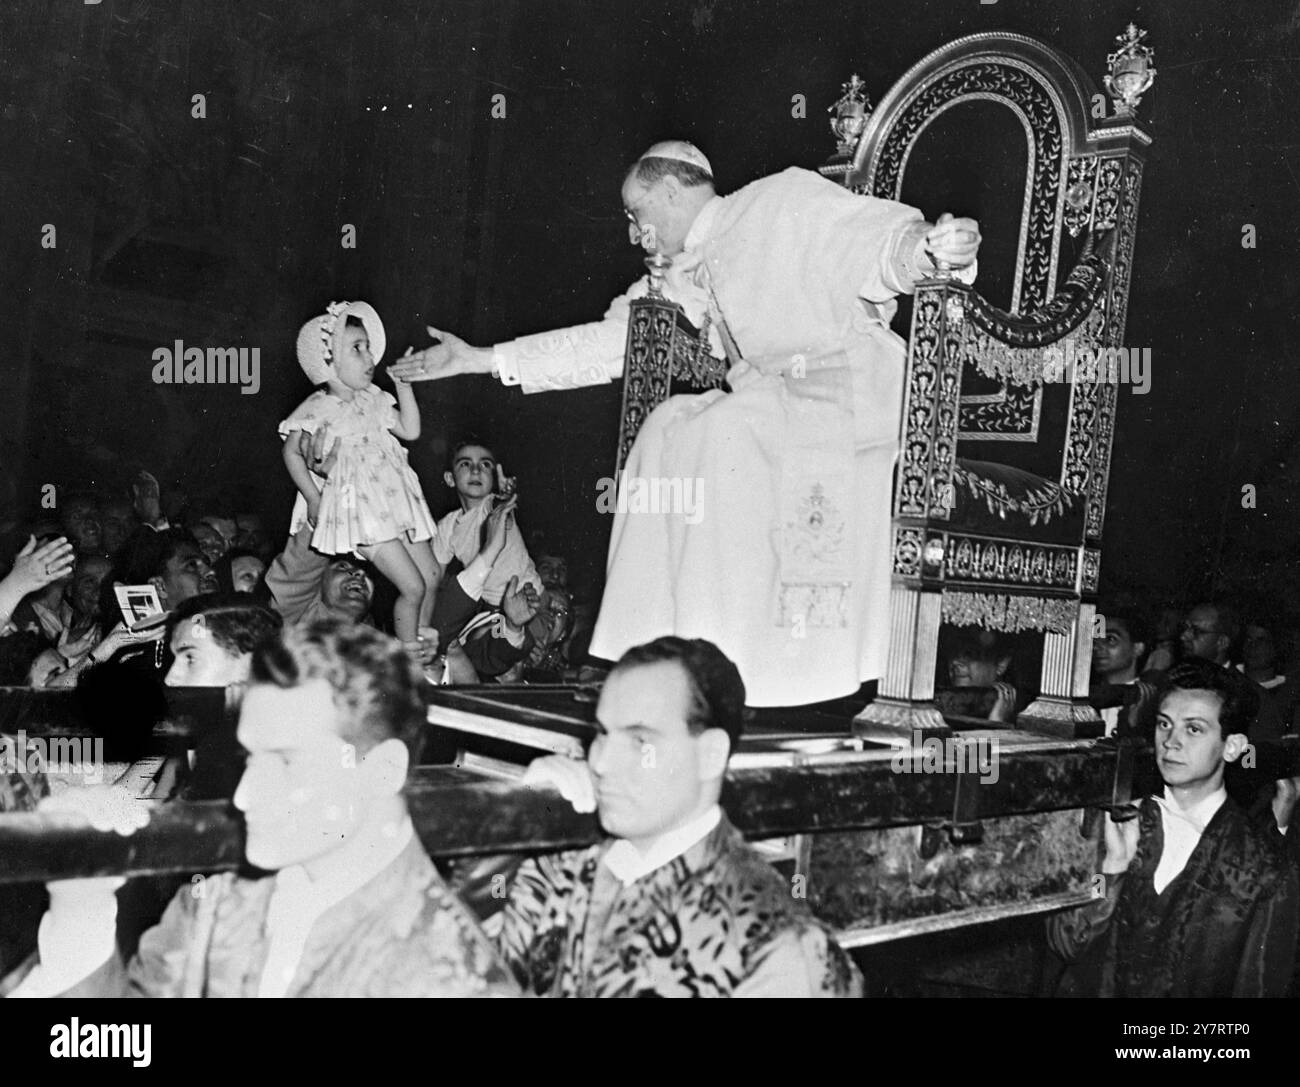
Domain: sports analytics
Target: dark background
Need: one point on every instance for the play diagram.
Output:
(226, 231)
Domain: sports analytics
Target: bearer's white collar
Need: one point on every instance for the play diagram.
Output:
(629, 864)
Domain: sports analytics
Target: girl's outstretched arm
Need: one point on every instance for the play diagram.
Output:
(408, 412)
(296, 462)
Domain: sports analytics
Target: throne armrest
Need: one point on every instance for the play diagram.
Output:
(1067, 310)
(952, 327)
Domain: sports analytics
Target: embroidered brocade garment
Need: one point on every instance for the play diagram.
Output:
(716, 921)
(1224, 927)
(401, 934)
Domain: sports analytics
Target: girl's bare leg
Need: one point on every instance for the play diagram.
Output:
(422, 555)
(393, 561)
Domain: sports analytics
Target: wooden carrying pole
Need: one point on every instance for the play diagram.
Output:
(461, 813)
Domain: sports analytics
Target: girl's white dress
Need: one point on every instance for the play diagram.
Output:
(372, 494)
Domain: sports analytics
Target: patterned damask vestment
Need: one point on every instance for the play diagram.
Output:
(783, 559)
(401, 934)
(716, 921)
(1224, 927)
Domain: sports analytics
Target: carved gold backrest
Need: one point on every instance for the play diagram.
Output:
(1078, 215)
(1083, 175)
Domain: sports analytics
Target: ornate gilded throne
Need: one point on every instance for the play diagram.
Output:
(1000, 486)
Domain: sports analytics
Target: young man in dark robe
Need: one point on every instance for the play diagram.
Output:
(1198, 899)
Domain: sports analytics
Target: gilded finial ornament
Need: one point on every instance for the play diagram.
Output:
(658, 266)
(850, 113)
(1131, 71)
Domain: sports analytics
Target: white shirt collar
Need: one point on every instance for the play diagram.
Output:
(1183, 828)
(629, 864)
(1199, 814)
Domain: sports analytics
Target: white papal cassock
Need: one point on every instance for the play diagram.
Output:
(782, 559)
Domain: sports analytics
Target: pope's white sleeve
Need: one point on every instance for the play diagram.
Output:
(569, 358)
(904, 265)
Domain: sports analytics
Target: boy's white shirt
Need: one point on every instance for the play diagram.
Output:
(459, 536)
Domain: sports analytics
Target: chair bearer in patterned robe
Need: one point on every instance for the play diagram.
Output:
(355, 907)
(675, 903)
(1198, 900)
(782, 557)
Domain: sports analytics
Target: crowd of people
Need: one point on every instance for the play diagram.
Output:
(1198, 891)
(504, 614)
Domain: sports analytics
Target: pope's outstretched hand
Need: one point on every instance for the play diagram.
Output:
(447, 358)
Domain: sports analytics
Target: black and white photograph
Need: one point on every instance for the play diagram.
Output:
(653, 498)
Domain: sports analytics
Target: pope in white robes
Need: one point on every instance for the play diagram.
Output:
(756, 518)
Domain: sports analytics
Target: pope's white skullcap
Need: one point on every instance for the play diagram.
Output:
(681, 151)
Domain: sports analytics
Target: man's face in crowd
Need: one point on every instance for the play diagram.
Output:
(1258, 652)
(305, 791)
(249, 533)
(555, 606)
(1202, 636)
(1114, 652)
(1190, 746)
(117, 522)
(1168, 625)
(347, 588)
(651, 773)
(659, 214)
(245, 571)
(211, 542)
(87, 580)
(81, 521)
(970, 667)
(200, 661)
(553, 570)
(186, 574)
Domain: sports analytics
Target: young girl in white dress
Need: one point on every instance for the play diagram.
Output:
(371, 503)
